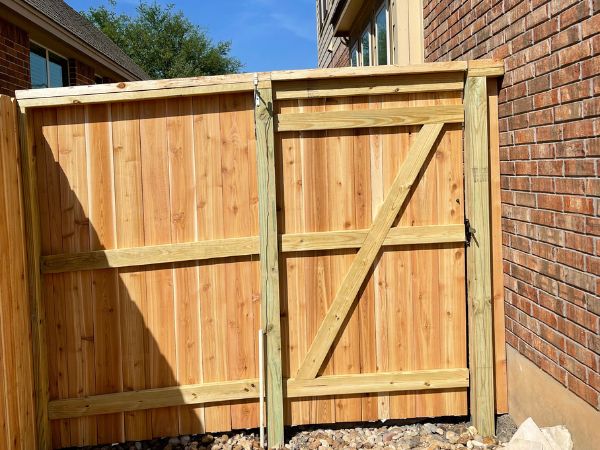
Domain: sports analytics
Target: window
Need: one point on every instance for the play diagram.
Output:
(372, 47)
(47, 68)
(381, 36)
(365, 47)
(354, 55)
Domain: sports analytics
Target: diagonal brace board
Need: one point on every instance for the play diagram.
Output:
(363, 261)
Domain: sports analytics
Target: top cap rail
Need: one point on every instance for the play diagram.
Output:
(123, 91)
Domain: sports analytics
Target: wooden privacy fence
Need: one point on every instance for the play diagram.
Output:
(169, 221)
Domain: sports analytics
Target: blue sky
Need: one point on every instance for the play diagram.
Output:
(265, 34)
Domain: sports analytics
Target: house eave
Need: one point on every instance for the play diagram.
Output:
(30, 14)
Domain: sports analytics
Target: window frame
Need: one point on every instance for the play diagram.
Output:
(47, 52)
(371, 26)
(384, 7)
(369, 32)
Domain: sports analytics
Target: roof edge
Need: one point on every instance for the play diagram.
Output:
(56, 29)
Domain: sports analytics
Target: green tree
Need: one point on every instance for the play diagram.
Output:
(164, 42)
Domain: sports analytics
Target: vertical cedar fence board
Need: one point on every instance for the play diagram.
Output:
(17, 412)
(154, 202)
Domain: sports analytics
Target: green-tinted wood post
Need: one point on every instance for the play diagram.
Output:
(269, 261)
(34, 278)
(479, 270)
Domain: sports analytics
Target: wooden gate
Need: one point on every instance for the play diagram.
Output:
(171, 220)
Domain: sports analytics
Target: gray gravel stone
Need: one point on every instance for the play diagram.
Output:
(426, 436)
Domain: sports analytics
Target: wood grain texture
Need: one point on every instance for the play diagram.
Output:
(269, 262)
(248, 389)
(244, 246)
(149, 217)
(129, 223)
(367, 253)
(500, 375)
(20, 426)
(88, 98)
(154, 398)
(479, 271)
(388, 117)
(399, 84)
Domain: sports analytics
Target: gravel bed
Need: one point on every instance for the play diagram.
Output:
(423, 436)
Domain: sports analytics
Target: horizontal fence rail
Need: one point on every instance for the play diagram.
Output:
(226, 248)
(248, 389)
(170, 220)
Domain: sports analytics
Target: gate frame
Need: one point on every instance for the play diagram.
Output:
(480, 374)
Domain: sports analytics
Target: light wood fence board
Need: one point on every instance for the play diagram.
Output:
(207, 141)
(18, 413)
(159, 282)
(154, 247)
(105, 290)
(500, 375)
(182, 189)
(129, 222)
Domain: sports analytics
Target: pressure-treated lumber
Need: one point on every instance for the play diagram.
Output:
(366, 255)
(389, 117)
(485, 68)
(374, 85)
(479, 272)
(379, 382)
(154, 398)
(134, 86)
(244, 246)
(248, 389)
(335, 240)
(239, 79)
(38, 320)
(344, 72)
(500, 375)
(151, 254)
(269, 261)
(155, 94)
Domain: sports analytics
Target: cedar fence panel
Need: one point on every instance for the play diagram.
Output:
(17, 414)
(154, 202)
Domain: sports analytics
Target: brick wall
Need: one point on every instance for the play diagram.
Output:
(14, 58)
(550, 120)
(80, 73)
(14, 62)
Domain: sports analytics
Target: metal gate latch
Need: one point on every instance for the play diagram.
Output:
(469, 232)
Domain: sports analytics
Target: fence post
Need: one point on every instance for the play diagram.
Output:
(34, 279)
(269, 260)
(479, 270)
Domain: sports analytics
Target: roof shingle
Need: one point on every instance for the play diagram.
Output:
(72, 21)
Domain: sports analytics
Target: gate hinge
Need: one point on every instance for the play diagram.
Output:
(469, 232)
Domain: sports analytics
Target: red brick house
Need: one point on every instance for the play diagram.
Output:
(45, 43)
(549, 106)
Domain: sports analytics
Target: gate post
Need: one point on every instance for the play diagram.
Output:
(479, 270)
(269, 260)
